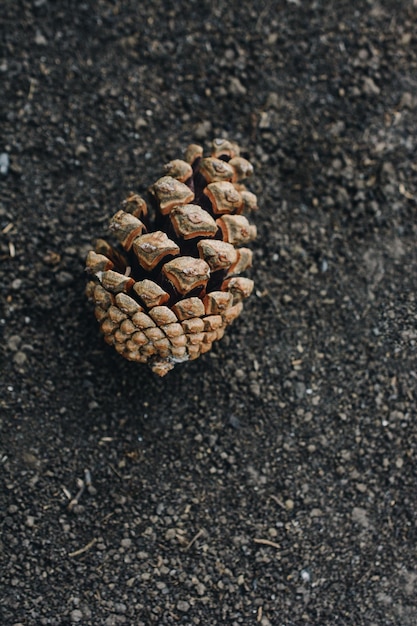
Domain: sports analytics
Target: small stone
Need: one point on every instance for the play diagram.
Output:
(236, 88)
(202, 129)
(140, 122)
(20, 358)
(170, 534)
(360, 516)
(370, 88)
(14, 342)
(255, 389)
(4, 163)
(40, 40)
(76, 616)
(234, 422)
(406, 101)
(305, 575)
(126, 542)
(300, 390)
(80, 150)
(289, 504)
(264, 120)
(183, 606)
(272, 101)
(64, 278)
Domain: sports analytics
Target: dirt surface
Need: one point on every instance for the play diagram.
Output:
(273, 480)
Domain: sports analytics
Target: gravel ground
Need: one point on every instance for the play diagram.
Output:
(273, 480)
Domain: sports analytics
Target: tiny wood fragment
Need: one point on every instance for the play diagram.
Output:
(169, 283)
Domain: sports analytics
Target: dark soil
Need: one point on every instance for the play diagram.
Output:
(273, 480)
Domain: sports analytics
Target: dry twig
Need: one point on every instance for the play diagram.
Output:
(267, 542)
(82, 550)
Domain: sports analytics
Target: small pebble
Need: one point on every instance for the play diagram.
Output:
(76, 616)
(64, 278)
(183, 606)
(264, 120)
(20, 358)
(40, 40)
(406, 101)
(300, 390)
(14, 342)
(236, 88)
(370, 88)
(273, 100)
(234, 421)
(203, 129)
(4, 163)
(305, 575)
(255, 389)
(126, 542)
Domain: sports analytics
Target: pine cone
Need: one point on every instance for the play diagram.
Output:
(171, 284)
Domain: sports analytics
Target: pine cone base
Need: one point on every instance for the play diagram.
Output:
(171, 285)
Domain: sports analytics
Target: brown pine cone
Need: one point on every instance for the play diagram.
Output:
(171, 284)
